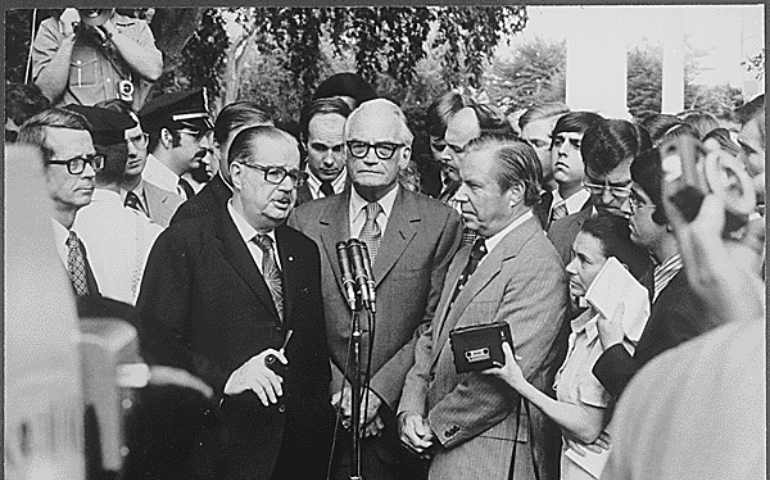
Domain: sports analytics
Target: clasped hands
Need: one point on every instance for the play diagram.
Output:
(256, 376)
(370, 405)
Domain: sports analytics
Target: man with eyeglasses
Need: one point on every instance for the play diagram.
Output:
(411, 239)
(608, 148)
(118, 239)
(567, 167)
(322, 122)
(178, 124)
(70, 165)
(225, 295)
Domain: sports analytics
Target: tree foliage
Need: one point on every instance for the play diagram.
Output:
(645, 80)
(534, 74)
(756, 64)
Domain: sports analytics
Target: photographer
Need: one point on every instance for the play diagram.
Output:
(86, 56)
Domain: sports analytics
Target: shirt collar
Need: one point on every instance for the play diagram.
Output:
(492, 241)
(245, 229)
(357, 203)
(574, 203)
(315, 183)
(586, 322)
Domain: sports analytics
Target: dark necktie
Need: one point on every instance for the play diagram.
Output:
(326, 188)
(78, 267)
(477, 253)
(270, 272)
(371, 233)
(186, 188)
(132, 201)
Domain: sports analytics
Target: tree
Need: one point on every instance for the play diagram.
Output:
(756, 64)
(645, 78)
(535, 74)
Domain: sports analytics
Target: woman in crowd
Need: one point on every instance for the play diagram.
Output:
(581, 403)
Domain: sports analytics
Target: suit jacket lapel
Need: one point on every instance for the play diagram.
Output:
(487, 271)
(290, 269)
(237, 254)
(401, 228)
(335, 227)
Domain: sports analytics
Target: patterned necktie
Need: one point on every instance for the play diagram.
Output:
(270, 271)
(132, 201)
(186, 188)
(326, 188)
(478, 252)
(76, 264)
(559, 211)
(371, 233)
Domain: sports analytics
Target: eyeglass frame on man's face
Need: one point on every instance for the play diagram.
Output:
(70, 162)
(351, 144)
(298, 177)
(620, 193)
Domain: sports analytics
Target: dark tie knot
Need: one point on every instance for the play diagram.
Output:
(326, 188)
(72, 240)
(479, 249)
(264, 242)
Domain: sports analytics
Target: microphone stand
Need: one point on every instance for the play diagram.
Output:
(355, 385)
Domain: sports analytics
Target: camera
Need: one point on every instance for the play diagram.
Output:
(696, 171)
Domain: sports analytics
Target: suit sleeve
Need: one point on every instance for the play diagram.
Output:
(417, 379)
(388, 382)
(615, 368)
(533, 304)
(164, 306)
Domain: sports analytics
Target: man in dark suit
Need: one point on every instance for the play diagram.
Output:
(568, 170)
(411, 240)
(511, 274)
(213, 197)
(677, 314)
(323, 122)
(220, 295)
(608, 147)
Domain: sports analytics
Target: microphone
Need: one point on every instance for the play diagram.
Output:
(347, 275)
(354, 250)
(369, 274)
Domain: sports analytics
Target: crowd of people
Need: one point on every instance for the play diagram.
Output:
(232, 277)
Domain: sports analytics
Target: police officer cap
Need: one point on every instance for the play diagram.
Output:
(186, 109)
(107, 127)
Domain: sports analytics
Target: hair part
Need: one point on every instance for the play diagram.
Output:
(516, 164)
(34, 132)
(658, 124)
(542, 111)
(609, 142)
(441, 110)
(237, 114)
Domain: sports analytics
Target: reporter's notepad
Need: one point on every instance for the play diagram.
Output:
(614, 285)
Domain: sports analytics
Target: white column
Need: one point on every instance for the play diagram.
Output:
(672, 95)
(596, 62)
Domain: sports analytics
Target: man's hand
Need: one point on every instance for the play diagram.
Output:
(67, 21)
(371, 422)
(415, 432)
(254, 375)
(611, 329)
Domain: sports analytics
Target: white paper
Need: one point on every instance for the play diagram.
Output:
(614, 285)
(591, 462)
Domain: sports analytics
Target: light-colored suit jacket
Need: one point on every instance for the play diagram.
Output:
(421, 237)
(161, 204)
(521, 282)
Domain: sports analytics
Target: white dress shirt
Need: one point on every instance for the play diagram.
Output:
(357, 211)
(574, 203)
(118, 241)
(248, 233)
(314, 183)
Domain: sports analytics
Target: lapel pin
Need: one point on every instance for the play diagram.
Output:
(291, 259)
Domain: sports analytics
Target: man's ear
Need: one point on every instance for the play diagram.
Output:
(406, 155)
(516, 194)
(166, 138)
(236, 172)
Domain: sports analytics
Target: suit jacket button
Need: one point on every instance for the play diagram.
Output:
(448, 433)
(278, 328)
(281, 408)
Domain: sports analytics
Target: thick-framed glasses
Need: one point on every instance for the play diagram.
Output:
(621, 193)
(75, 166)
(383, 150)
(276, 175)
(139, 141)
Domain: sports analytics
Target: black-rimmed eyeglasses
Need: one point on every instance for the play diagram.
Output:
(76, 165)
(276, 175)
(383, 150)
